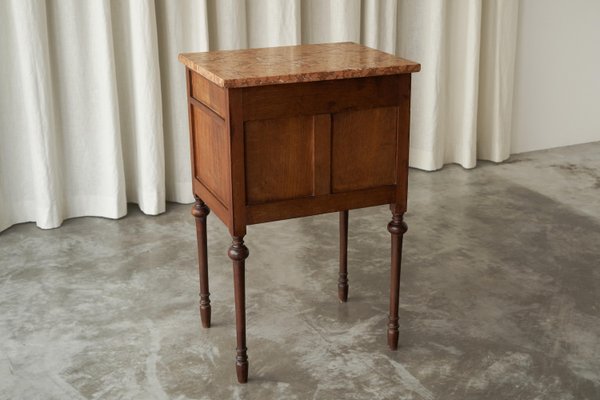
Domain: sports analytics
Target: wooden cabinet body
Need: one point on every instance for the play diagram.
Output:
(275, 152)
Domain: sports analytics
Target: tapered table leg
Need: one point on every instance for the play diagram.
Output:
(238, 253)
(200, 211)
(343, 276)
(397, 228)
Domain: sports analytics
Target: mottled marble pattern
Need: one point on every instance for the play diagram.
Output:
(499, 298)
(289, 64)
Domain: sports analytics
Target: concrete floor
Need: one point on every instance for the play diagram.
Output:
(500, 298)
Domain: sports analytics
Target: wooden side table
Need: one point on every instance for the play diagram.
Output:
(288, 132)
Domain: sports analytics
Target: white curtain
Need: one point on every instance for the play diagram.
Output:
(92, 101)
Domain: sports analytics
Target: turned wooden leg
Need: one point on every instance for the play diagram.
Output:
(343, 277)
(397, 228)
(238, 253)
(201, 211)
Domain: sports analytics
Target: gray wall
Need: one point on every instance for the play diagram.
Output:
(557, 74)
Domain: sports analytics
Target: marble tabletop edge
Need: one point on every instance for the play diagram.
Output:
(407, 66)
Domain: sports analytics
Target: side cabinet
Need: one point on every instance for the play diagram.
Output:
(283, 151)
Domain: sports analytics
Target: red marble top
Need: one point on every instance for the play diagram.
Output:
(289, 64)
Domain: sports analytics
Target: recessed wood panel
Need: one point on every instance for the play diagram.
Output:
(279, 159)
(364, 149)
(211, 153)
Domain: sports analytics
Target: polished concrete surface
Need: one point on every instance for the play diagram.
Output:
(500, 298)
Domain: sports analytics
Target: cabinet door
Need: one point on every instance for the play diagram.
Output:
(283, 157)
(364, 145)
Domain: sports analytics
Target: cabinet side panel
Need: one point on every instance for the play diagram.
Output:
(211, 153)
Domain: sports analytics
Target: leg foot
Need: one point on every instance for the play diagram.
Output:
(397, 228)
(241, 365)
(238, 253)
(343, 275)
(205, 315)
(200, 211)
(392, 335)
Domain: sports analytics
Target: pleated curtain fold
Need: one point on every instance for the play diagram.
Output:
(93, 110)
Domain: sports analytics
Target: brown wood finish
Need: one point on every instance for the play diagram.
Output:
(200, 211)
(280, 101)
(343, 274)
(199, 188)
(279, 159)
(274, 137)
(345, 146)
(322, 154)
(238, 253)
(237, 156)
(403, 132)
(397, 227)
(211, 95)
(211, 155)
(304, 207)
(208, 197)
(192, 133)
(359, 160)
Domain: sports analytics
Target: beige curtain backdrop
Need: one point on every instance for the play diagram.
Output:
(92, 101)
